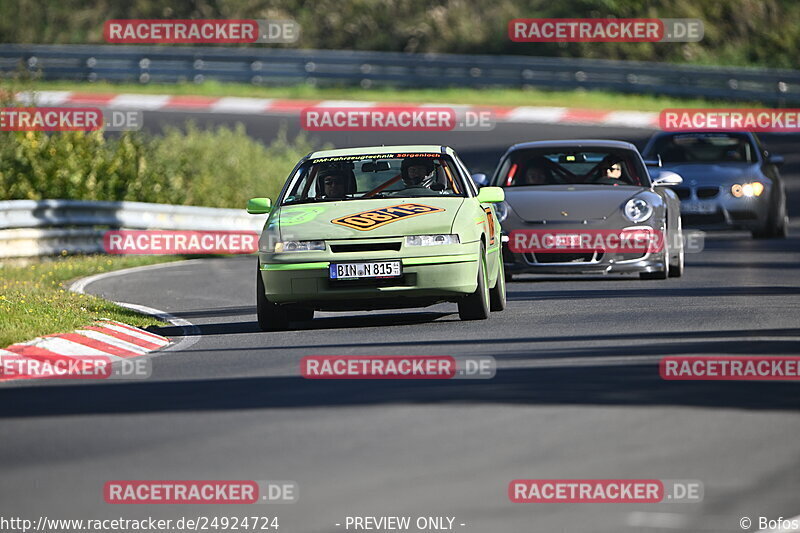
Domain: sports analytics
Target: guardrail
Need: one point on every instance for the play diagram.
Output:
(30, 228)
(271, 66)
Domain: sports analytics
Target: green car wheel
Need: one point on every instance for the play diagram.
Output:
(270, 316)
(497, 295)
(476, 305)
(300, 314)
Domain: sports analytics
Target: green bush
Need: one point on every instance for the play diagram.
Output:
(220, 167)
(737, 32)
(217, 167)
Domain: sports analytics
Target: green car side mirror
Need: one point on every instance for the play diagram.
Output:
(259, 206)
(491, 195)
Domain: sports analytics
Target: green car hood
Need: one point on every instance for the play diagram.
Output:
(385, 217)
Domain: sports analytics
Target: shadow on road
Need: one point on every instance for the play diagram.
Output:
(345, 321)
(653, 291)
(588, 384)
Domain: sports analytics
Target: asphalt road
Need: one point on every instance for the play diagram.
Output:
(577, 393)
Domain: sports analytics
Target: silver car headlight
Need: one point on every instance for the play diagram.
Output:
(637, 210)
(502, 211)
(299, 246)
(431, 240)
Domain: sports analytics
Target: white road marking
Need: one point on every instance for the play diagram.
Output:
(139, 101)
(241, 105)
(346, 103)
(108, 339)
(191, 333)
(545, 115)
(631, 118)
(67, 347)
(138, 335)
(43, 98)
(524, 114)
(657, 520)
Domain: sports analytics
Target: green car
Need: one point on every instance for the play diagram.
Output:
(380, 227)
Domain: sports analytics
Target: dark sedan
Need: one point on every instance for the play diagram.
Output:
(729, 181)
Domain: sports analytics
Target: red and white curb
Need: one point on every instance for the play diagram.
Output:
(112, 340)
(250, 106)
(118, 347)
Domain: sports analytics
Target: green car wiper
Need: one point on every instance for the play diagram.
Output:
(314, 199)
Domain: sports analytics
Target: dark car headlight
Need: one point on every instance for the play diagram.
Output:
(747, 190)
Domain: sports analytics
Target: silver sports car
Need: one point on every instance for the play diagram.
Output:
(587, 207)
(730, 181)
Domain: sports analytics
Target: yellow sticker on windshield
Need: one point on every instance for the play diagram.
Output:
(375, 218)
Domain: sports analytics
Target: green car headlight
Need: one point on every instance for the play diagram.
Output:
(431, 240)
(299, 246)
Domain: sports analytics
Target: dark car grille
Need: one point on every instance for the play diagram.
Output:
(707, 192)
(702, 220)
(743, 215)
(366, 247)
(682, 192)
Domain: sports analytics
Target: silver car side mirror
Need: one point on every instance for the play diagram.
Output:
(667, 178)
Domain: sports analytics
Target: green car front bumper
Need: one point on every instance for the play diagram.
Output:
(440, 275)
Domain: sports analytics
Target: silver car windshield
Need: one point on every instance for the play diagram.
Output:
(526, 168)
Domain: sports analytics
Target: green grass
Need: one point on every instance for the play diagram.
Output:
(35, 301)
(600, 100)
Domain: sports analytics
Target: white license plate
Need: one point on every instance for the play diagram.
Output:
(377, 269)
(698, 208)
(568, 240)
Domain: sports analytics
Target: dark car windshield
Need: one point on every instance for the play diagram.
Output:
(378, 176)
(703, 148)
(561, 166)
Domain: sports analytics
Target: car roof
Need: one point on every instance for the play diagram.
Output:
(368, 150)
(703, 132)
(662, 134)
(577, 143)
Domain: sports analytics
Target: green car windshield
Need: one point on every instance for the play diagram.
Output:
(380, 176)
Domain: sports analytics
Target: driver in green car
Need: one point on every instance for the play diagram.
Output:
(334, 183)
(418, 172)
